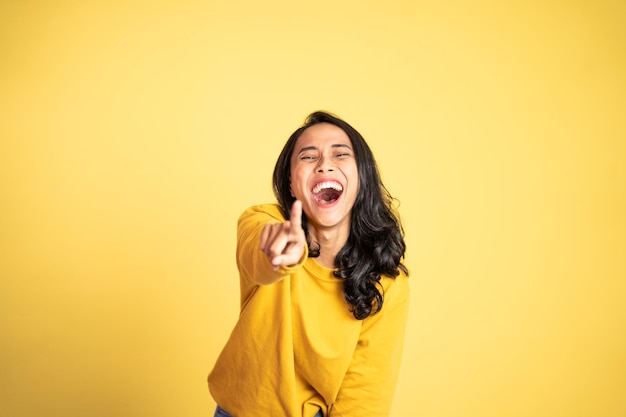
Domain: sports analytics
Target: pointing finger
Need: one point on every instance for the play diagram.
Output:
(296, 217)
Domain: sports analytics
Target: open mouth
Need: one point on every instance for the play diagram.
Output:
(327, 192)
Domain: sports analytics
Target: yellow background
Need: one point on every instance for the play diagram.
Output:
(133, 133)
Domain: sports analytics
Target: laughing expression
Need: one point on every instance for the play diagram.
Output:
(324, 175)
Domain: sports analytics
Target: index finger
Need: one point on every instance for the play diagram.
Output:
(296, 216)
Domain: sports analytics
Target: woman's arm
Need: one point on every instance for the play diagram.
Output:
(370, 381)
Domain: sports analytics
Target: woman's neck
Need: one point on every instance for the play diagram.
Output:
(330, 242)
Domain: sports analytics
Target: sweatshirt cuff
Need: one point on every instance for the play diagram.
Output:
(288, 270)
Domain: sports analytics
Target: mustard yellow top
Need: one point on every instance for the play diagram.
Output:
(296, 347)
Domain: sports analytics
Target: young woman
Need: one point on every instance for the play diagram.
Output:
(324, 293)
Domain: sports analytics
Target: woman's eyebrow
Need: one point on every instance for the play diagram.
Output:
(342, 145)
(307, 148)
(314, 148)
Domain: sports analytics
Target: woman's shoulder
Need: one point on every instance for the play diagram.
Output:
(398, 284)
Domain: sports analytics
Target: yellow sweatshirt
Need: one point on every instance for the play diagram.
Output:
(296, 347)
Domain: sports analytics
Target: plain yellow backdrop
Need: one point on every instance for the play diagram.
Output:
(133, 134)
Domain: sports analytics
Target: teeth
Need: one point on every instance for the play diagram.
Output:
(327, 184)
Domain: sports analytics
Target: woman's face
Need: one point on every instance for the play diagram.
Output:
(324, 176)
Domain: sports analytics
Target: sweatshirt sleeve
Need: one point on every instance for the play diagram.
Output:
(369, 383)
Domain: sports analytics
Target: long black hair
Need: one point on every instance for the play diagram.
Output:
(375, 245)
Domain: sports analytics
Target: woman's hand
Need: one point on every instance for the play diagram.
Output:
(283, 243)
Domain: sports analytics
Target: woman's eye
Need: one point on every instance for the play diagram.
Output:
(342, 155)
(307, 157)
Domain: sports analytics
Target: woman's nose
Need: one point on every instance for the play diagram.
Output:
(325, 165)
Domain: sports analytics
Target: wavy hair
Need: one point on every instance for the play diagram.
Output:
(375, 246)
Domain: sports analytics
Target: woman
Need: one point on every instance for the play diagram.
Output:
(324, 293)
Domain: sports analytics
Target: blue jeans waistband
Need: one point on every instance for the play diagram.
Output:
(220, 412)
